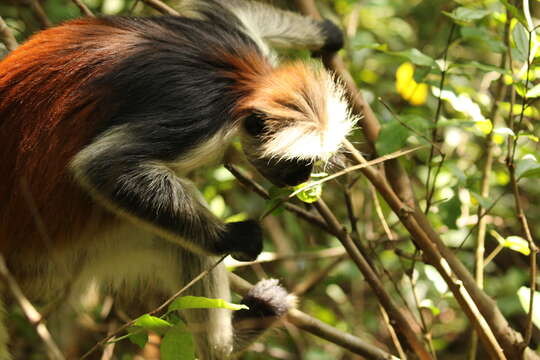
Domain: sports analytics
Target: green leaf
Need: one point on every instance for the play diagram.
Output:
(138, 336)
(518, 244)
(533, 92)
(463, 15)
(149, 322)
(394, 134)
(199, 302)
(311, 194)
(484, 202)
(527, 167)
(177, 344)
(415, 56)
(393, 137)
(482, 34)
(521, 39)
(451, 211)
(524, 294)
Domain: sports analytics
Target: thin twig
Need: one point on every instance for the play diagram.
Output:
(84, 9)
(156, 310)
(30, 312)
(161, 7)
(426, 238)
(40, 14)
(374, 282)
(485, 183)
(435, 132)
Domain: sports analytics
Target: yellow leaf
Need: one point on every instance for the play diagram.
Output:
(409, 89)
(484, 126)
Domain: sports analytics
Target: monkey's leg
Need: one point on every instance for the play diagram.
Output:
(120, 172)
(211, 328)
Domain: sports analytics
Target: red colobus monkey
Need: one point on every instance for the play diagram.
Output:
(102, 118)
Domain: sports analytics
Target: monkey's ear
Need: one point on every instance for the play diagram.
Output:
(254, 124)
(333, 37)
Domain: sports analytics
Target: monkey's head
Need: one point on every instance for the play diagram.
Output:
(297, 116)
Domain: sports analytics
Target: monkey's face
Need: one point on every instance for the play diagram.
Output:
(280, 171)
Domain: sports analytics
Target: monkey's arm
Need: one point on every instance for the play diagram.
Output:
(123, 177)
(286, 29)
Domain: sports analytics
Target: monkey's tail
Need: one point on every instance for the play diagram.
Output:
(268, 302)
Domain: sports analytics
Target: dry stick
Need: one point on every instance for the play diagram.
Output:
(484, 186)
(156, 310)
(320, 329)
(40, 14)
(6, 36)
(425, 238)
(393, 334)
(84, 9)
(161, 7)
(30, 312)
(374, 282)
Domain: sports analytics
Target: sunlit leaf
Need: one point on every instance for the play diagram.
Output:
(518, 244)
(309, 195)
(485, 126)
(534, 92)
(199, 302)
(524, 294)
(153, 323)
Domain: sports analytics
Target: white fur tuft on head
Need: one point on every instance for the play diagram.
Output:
(314, 138)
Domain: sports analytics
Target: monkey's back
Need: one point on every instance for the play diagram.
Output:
(62, 87)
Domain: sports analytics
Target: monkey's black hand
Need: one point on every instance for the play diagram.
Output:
(333, 37)
(243, 240)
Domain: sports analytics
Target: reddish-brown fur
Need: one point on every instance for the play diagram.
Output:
(46, 116)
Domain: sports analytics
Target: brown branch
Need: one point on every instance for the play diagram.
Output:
(6, 36)
(84, 9)
(30, 312)
(320, 329)
(479, 307)
(374, 282)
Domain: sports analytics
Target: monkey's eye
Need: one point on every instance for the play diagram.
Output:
(254, 124)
